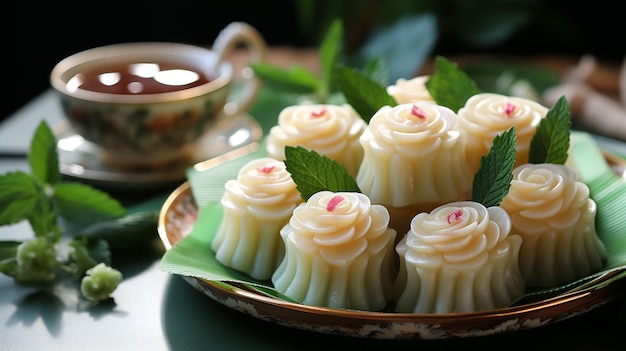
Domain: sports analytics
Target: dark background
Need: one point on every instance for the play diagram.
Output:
(36, 36)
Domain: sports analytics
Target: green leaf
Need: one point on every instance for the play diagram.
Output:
(80, 203)
(8, 249)
(313, 172)
(405, 44)
(378, 70)
(8, 266)
(127, 232)
(492, 24)
(500, 75)
(43, 157)
(364, 94)
(43, 218)
(449, 85)
(493, 179)
(89, 252)
(19, 193)
(329, 51)
(296, 79)
(551, 141)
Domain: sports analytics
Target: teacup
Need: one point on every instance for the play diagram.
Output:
(146, 104)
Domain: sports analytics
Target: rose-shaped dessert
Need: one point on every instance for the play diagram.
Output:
(330, 130)
(486, 115)
(410, 90)
(554, 215)
(256, 206)
(413, 160)
(338, 253)
(458, 258)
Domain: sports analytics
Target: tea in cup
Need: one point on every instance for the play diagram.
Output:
(145, 104)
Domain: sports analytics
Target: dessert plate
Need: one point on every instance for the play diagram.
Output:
(82, 160)
(180, 212)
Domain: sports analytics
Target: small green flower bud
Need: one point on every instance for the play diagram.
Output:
(99, 282)
(36, 261)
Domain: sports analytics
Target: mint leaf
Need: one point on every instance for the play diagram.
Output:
(493, 179)
(80, 203)
(450, 86)
(8, 254)
(551, 141)
(313, 172)
(8, 249)
(43, 218)
(43, 157)
(364, 94)
(378, 70)
(329, 51)
(296, 80)
(18, 196)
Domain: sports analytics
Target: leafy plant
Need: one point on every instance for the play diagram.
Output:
(51, 205)
(298, 79)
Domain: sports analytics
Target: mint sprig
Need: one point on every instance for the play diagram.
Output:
(551, 141)
(42, 193)
(296, 79)
(300, 80)
(493, 179)
(363, 89)
(450, 86)
(313, 172)
(330, 53)
(50, 205)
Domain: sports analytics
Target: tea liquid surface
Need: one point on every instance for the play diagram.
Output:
(132, 78)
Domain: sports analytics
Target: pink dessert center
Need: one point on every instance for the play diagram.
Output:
(266, 169)
(508, 109)
(455, 216)
(332, 204)
(418, 112)
(318, 113)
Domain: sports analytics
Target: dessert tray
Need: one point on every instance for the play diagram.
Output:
(180, 213)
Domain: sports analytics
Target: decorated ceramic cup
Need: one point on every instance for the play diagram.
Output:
(147, 103)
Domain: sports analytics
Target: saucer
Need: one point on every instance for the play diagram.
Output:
(82, 160)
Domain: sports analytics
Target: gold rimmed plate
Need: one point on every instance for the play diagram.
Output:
(177, 218)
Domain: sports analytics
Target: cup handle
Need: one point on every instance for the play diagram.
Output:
(234, 34)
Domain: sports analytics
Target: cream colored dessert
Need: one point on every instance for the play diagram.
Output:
(256, 206)
(486, 115)
(413, 160)
(339, 253)
(458, 258)
(330, 130)
(410, 90)
(556, 218)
